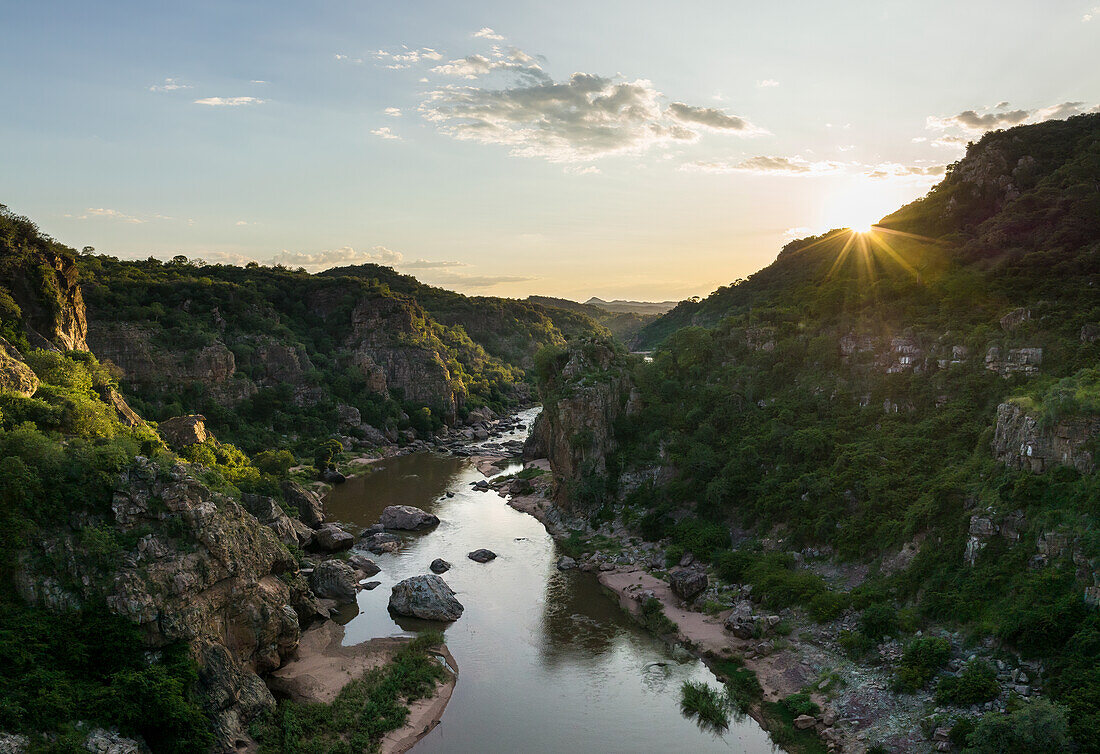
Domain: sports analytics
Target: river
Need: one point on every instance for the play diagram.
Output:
(547, 661)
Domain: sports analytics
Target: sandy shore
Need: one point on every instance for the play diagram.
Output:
(322, 666)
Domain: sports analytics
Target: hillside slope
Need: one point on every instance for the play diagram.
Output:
(623, 326)
(894, 432)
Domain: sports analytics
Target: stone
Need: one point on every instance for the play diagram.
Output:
(270, 514)
(363, 564)
(102, 741)
(439, 565)
(427, 597)
(331, 538)
(803, 722)
(332, 476)
(310, 507)
(482, 555)
(566, 563)
(407, 517)
(383, 542)
(687, 584)
(182, 431)
(14, 743)
(348, 416)
(335, 580)
(371, 585)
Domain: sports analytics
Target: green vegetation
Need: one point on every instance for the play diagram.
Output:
(654, 618)
(923, 658)
(707, 705)
(976, 683)
(363, 711)
(1036, 726)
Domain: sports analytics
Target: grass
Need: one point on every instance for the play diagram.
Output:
(654, 618)
(707, 705)
(364, 710)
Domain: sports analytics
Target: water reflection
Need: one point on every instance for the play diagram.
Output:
(547, 661)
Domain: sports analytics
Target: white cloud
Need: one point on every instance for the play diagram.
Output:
(582, 170)
(765, 165)
(114, 214)
(427, 264)
(257, 81)
(465, 280)
(579, 119)
(385, 133)
(229, 101)
(169, 85)
(1090, 14)
(340, 56)
(767, 83)
(405, 58)
(242, 222)
(894, 170)
(487, 33)
(790, 234)
(345, 255)
(393, 112)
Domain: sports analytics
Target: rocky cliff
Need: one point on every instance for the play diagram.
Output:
(1021, 441)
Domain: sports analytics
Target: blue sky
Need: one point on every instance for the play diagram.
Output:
(645, 150)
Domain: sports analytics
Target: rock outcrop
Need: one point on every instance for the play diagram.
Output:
(687, 584)
(335, 580)
(181, 431)
(311, 509)
(426, 597)
(1021, 442)
(407, 518)
(15, 375)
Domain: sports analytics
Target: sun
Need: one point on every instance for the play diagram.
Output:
(862, 227)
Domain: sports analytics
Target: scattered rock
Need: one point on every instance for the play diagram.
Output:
(426, 597)
(369, 585)
(687, 584)
(101, 741)
(333, 579)
(384, 542)
(331, 538)
(310, 507)
(802, 722)
(566, 563)
(482, 555)
(364, 564)
(407, 517)
(439, 565)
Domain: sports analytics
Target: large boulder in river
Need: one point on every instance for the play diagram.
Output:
(381, 542)
(687, 584)
(364, 564)
(426, 597)
(310, 507)
(407, 517)
(439, 565)
(482, 555)
(331, 538)
(333, 580)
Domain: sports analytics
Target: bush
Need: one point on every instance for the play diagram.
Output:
(878, 620)
(977, 683)
(277, 463)
(654, 618)
(800, 704)
(1038, 726)
(708, 706)
(922, 659)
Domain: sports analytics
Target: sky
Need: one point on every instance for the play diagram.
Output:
(645, 150)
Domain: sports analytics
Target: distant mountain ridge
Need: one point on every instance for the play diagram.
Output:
(624, 325)
(632, 307)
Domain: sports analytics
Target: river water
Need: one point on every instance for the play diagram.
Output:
(547, 661)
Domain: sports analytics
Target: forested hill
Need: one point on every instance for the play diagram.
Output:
(509, 329)
(1018, 212)
(891, 434)
(624, 325)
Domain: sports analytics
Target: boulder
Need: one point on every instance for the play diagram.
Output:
(427, 597)
(382, 542)
(482, 555)
(310, 507)
(332, 476)
(333, 579)
(439, 565)
(331, 538)
(15, 375)
(803, 722)
(372, 436)
(371, 585)
(687, 584)
(407, 517)
(348, 416)
(364, 564)
(566, 563)
(291, 531)
(181, 431)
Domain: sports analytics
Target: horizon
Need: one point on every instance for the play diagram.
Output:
(501, 151)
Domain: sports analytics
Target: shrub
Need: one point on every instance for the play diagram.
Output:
(707, 705)
(922, 659)
(878, 620)
(976, 683)
(654, 618)
(1039, 725)
(800, 704)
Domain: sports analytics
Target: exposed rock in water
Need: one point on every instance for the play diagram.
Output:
(333, 579)
(364, 564)
(439, 565)
(407, 517)
(426, 597)
(382, 542)
(687, 584)
(181, 431)
(566, 563)
(15, 375)
(311, 509)
(1021, 442)
(331, 538)
(482, 555)
(332, 476)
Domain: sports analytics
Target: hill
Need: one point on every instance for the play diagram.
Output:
(631, 307)
(624, 326)
(887, 433)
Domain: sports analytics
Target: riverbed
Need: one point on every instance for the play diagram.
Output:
(548, 662)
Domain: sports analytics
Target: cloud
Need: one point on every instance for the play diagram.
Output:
(357, 61)
(486, 33)
(767, 83)
(114, 214)
(582, 170)
(709, 117)
(1090, 14)
(897, 170)
(473, 281)
(169, 85)
(427, 264)
(242, 222)
(385, 133)
(257, 81)
(228, 101)
(393, 112)
(791, 234)
(765, 165)
(405, 58)
(987, 119)
(345, 255)
(582, 118)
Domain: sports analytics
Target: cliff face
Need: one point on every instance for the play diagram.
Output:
(1021, 442)
(190, 565)
(589, 391)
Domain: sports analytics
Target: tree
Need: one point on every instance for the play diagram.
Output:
(1039, 725)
